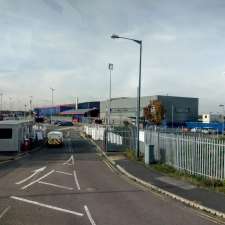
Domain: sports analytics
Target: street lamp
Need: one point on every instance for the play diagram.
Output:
(115, 36)
(25, 110)
(172, 115)
(52, 89)
(10, 105)
(222, 106)
(110, 92)
(1, 94)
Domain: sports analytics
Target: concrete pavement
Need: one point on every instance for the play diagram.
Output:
(72, 185)
(207, 198)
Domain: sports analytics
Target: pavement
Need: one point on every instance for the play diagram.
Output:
(74, 185)
(184, 189)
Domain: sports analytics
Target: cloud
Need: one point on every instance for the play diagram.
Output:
(67, 45)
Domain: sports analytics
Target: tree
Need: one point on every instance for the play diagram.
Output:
(154, 112)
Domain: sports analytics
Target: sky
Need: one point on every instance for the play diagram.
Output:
(66, 45)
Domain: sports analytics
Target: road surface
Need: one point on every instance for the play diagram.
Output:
(73, 185)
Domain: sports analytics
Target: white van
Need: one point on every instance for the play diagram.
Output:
(55, 138)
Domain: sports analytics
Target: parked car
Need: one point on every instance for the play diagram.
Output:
(205, 131)
(65, 123)
(196, 130)
(56, 122)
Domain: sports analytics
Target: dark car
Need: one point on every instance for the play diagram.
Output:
(65, 123)
(57, 122)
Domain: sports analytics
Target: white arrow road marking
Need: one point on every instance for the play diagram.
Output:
(32, 175)
(89, 215)
(39, 179)
(5, 211)
(62, 172)
(76, 180)
(56, 185)
(47, 206)
(68, 161)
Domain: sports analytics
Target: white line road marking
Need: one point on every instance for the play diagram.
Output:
(5, 211)
(109, 166)
(89, 215)
(76, 180)
(56, 185)
(39, 179)
(32, 175)
(69, 164)
(47, 206)
(70, 159)
(73, 160)
(62, 172)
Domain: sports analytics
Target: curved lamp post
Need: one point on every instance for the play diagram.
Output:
(115, 36)
(223, 108)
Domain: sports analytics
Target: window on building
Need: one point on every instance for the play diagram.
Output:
(5, 133)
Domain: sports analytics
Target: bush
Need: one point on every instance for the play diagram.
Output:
(130, 154)
(164, 168)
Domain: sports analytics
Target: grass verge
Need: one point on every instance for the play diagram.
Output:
(199, 181)
(216, 185)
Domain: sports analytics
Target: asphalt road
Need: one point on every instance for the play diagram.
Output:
(72, 185)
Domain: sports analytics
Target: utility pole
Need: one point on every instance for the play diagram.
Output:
(10, 106)
(115, 36)
(25, 110)
(31, 97)
(52, 89)
(172, 116)
(1, 94)
(139, 100)
(223, 108)
(110, 93)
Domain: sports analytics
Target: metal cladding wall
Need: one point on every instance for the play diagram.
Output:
(184, 108)
(179, 109)
(66, 107)
(55, 110)
(89, 105)
(47, 111)
(124, 107)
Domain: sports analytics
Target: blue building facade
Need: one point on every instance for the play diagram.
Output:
(56, 110)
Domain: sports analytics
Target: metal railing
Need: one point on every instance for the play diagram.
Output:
(195, 154)
(112, 138)
(200, 156)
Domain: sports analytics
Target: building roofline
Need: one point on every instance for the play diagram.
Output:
(70, 104)
(149, 96)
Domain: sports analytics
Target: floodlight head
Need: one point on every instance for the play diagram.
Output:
(114, 36)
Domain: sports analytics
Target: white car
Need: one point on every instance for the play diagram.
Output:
(195, 130)
(55, 138)
(205, 131)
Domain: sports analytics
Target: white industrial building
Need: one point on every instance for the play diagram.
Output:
(210, 118)
(177, 109)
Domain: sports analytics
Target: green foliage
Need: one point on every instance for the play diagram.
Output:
(200, 181)
(164, 168)
(222, 138)
(130, 154)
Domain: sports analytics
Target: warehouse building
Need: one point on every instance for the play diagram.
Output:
(55, 110)
(178, 110)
